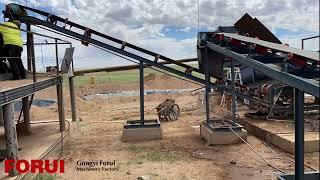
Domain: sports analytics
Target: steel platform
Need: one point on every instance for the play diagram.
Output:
(12, 90)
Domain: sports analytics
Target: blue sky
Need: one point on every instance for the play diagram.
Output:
(170, 27)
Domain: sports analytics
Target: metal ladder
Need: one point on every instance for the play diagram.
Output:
(237, 78)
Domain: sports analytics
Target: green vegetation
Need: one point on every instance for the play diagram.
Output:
(45, 176)
(127, 77)
(151, 154)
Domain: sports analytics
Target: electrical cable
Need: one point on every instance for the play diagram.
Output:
(285, 153)
(43, 66)
(51, 148)
(267, 162)
(198, 15)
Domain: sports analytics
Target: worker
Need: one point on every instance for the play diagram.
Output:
(12, 48)
(3, 68)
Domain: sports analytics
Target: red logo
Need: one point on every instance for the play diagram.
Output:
(35, 166)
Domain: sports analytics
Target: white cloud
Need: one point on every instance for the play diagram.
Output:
(186, 29)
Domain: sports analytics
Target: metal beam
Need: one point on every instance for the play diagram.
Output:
(304, 39)
(310, 37)
(207, 79)
(141, 93)
(308, 55)
(10, 95)
(309, 86)
(128, 67)
(54, 19)
(233, 87)
(48, 43)
(299, 133)
(109, 47)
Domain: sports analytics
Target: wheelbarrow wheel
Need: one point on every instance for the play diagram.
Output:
(174, 112)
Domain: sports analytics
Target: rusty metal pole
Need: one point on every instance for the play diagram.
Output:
(60, 94)
(207, 79)
(10, 135)
(234, 100)
(72, 99)
(26, 116)
(299, 133)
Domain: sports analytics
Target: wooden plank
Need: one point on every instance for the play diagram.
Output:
(311, 55)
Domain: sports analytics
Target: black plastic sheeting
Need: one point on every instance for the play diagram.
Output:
(35, 102)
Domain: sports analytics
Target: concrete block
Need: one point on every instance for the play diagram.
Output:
(141, 133)
(286, 142)
(221, 137)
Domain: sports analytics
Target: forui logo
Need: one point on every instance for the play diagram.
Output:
(34, 166)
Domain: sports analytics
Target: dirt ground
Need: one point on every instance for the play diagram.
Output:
(181, 154)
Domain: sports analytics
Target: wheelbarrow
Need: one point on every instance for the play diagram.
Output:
(168, 110)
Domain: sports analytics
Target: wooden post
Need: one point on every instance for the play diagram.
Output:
(26, 116)
(1, 116)
(61, 107)
(60, 93)
(11, 135)
(72, 99)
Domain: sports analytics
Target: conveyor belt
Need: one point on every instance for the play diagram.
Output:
(310, 55)
(308, 85)
(59, 22)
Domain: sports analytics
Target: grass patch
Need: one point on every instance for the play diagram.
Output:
(162, 156)
(121, 77)
(45, 176)
(151, 154)
(139, 149)
(137, 160)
